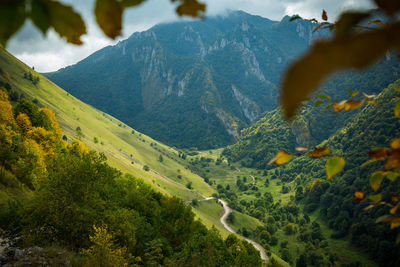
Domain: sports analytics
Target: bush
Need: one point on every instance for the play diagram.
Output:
(146, 168)
(189, 185)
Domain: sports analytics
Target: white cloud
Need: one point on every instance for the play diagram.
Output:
(51, 53)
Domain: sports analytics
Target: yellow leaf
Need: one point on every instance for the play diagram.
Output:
(395, 144)
(395, 223)
(334, 165)
(319, 152)
(327, 56)
(376, 179)
(281, 157)
(109, 17)
(397, 110)
(352, 104)
(370, 102)
(394, 160)
(377, 22)
(359, 196)
(394, 209)
(338, 106)
(352, 93)
(395, 199)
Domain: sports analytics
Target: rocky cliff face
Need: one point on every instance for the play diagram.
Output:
(187, 83)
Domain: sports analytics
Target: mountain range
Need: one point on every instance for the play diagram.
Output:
(191, 84)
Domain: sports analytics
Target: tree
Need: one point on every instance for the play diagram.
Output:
(103, 252)
(160, 158)
(6, 113)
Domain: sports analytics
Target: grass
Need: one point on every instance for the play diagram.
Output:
(243, 220)
(212, 211)
(115, 139)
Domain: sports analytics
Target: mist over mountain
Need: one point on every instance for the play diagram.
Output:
(191, 84)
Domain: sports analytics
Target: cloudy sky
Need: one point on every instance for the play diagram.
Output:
(49, 53)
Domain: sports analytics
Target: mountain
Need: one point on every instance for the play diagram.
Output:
(191, 84)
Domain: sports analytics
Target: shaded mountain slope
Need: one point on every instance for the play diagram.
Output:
(212, 76)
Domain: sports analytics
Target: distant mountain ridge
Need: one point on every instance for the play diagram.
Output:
(191, 84)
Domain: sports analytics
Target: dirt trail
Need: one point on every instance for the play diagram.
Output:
(227, 211)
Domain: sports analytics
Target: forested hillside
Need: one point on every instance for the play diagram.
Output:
(304, 178)
(260, 142)
(62, 204)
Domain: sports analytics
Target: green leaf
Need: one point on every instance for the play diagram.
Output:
(381, 218)
(328, 106)
(376, 179)
(12, 17)
(295, 17)
(324, 96)
(375, 198)
(397, 110)
(369, 162)
(327, 56)
(66, 22)
(109, 17)
(398, 238)
(40, 15)
(318, 103)
(392, 176)
(352, 93)
(334, 165)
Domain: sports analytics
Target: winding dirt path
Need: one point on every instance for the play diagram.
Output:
(254, 179)
(223, 218)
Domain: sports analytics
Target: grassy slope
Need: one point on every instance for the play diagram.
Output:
(212, 211)
(116, 140)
